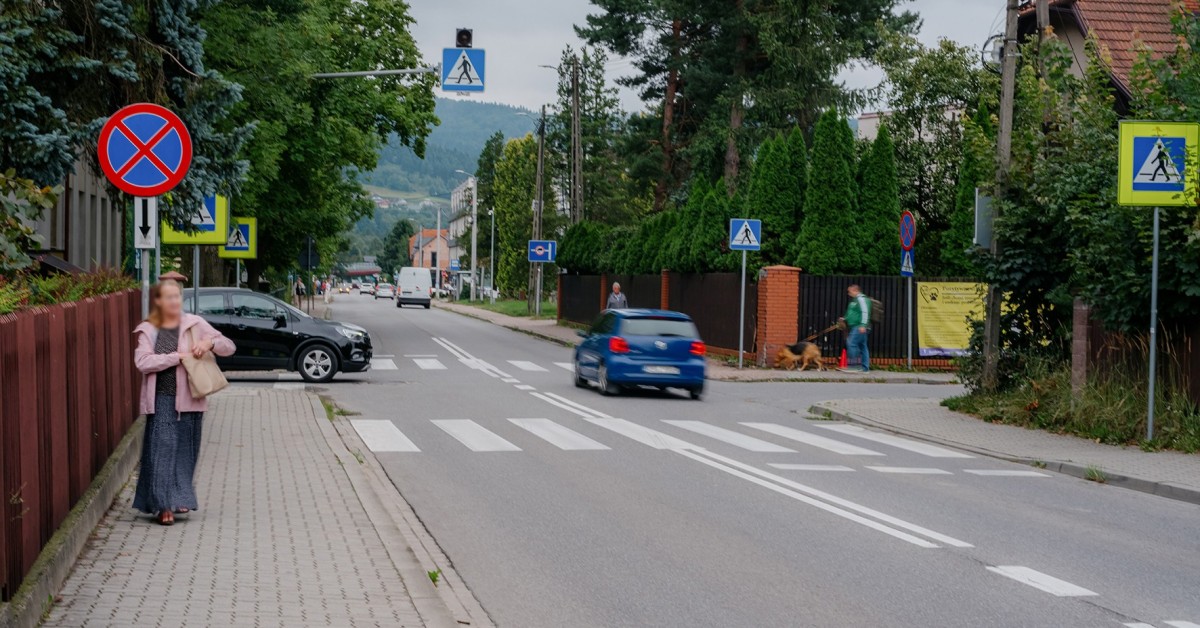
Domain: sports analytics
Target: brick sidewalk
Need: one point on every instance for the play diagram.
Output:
(1166, 473)
(717, 369)
(281, 538)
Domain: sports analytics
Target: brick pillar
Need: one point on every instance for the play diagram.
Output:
(603, 288)
(1081, 352)
(778, 315)
(664, 299)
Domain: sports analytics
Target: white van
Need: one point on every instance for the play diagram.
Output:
(414, 287)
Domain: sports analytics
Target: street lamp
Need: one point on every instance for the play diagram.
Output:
(492, 257)
(474, 225)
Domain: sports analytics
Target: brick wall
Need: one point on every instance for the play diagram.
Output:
(778, 294)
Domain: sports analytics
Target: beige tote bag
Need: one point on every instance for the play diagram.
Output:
(204, 376)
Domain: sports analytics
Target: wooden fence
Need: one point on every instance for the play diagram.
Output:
(68, 395)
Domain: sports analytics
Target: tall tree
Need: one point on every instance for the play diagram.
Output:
(879, 207)
(395, 247)
(516, 172)
(828, 241)
(775, 195)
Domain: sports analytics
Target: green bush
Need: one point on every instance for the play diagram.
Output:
(27, 291)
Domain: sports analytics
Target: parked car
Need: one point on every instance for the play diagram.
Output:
(385, 291)
(414, 287)
(367, 288)
(630, 348)
(271, 334)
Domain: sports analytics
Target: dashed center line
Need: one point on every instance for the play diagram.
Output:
(911, 470)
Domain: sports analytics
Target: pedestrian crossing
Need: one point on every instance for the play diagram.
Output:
(440, 363)
(528, 433)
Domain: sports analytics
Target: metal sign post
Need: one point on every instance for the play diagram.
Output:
(145, 239)
(908, 237)
(745, 234)
(1155, 162)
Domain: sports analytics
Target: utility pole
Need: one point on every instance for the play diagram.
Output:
(535, 270)
(474, 234)
(1008, 84)
(576, 147)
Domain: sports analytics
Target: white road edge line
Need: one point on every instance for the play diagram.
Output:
(845, 503)
(1139, 625)
(1041, 581)
(874, 525)
(1182, 624)
(580, 406)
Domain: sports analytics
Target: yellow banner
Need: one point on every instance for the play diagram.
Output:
(943, 308)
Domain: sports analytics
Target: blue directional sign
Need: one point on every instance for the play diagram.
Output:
(542, 250)
(463, 69)
(906, 263)
(455, 265)
(745, 234)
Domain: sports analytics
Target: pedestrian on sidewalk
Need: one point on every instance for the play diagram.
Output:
(173, 417)
(858, 325)
(617, 300)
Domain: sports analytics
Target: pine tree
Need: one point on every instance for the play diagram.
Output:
(879, 207)
(828, 241)
(771, 185)
(798, 160)
(711, 232)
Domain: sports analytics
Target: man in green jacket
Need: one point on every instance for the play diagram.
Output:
(858, 325)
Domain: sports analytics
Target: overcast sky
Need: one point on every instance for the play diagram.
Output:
(520, 35)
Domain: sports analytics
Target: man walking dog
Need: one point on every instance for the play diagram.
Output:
(858, 325)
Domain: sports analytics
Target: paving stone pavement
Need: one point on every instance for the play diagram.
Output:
(1163, 472)
(280, 539)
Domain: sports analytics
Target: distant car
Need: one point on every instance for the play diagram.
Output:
(271, 334)
(344, 288)
(630, 348)
(385, 291)
(367, 288)
(354, 285)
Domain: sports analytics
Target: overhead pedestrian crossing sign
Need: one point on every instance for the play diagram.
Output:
(745, 234)
(1158, 163)
(242, 242)
(463, 69)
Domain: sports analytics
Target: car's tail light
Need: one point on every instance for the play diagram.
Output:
(617, 344)
(698, 348)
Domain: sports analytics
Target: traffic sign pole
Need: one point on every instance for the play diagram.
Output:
(1153, 329)
(742, 314)
(909, 299)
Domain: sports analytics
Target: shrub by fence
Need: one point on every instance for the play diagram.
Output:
(69, 395)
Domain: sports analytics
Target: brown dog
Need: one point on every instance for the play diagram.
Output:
(802, 354)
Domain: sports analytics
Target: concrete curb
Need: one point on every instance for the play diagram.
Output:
(1162, 489)
(412, 549)
(54, 563)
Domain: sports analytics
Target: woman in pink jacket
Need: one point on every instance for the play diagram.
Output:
(172, 443)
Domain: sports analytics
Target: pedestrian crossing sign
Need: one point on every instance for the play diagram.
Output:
(745, 234)
(211, 220)
(463, 69)
(1158, 163)
(242, 242)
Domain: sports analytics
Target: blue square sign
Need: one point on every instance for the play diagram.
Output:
(1158, 164)
(463, 69)
(542, 250)
(745, 234)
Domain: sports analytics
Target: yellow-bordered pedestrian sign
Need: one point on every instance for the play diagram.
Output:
(211, 220)
(1158, 163)
(242, 242)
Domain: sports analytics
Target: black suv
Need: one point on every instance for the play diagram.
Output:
(271, 334)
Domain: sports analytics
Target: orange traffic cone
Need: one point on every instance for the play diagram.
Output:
(842, 362)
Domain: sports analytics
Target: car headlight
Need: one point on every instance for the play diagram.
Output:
(352, 334)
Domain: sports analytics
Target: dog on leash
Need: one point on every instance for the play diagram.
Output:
(800, 354)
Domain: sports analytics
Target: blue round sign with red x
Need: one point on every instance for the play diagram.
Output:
(908, 231)
(145, 150)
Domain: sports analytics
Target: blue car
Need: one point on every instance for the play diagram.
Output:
(629, 348)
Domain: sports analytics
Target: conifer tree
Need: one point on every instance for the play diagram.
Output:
(879, 207)
(828, 240)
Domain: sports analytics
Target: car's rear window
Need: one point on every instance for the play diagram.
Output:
(659, 326)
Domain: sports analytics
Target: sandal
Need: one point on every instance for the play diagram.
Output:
(182, 511)
(166, 518)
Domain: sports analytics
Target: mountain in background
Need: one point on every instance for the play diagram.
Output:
(453, 145)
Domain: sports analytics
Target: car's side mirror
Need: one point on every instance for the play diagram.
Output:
(281, 320)
(582, 333)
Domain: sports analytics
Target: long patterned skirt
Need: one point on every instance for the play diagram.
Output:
(169, 453)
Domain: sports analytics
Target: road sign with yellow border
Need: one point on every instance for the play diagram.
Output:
(242, 242)
(211, 220)
(1158, 163)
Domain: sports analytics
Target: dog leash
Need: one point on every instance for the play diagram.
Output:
(823, 331)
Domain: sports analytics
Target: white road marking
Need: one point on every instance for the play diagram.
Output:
(749, 443)
(1016, 473)
(1041, 581)
(524, 387)
(837, 447)
(511, 380)
(416, 355)
(430, 364)
(289, 386)
(558, 435)
(643, 435)
(874, 525)
(583, 413)
(382, 436)
(389, 355)
(911, 470)
(1140, 625)
(925, 449)
(1182, 624)
(527, 366)
(565, 365)
(844, 503)
(475, 436)
(448, 346)
(490, 369)
(592, 412)
(383, 364)
(810, 467)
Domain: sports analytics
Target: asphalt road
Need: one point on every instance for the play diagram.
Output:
(560, 507)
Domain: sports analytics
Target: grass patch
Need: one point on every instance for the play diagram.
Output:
(1094, 474)
(514, 307)
(434, 576)
(1110, 409)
